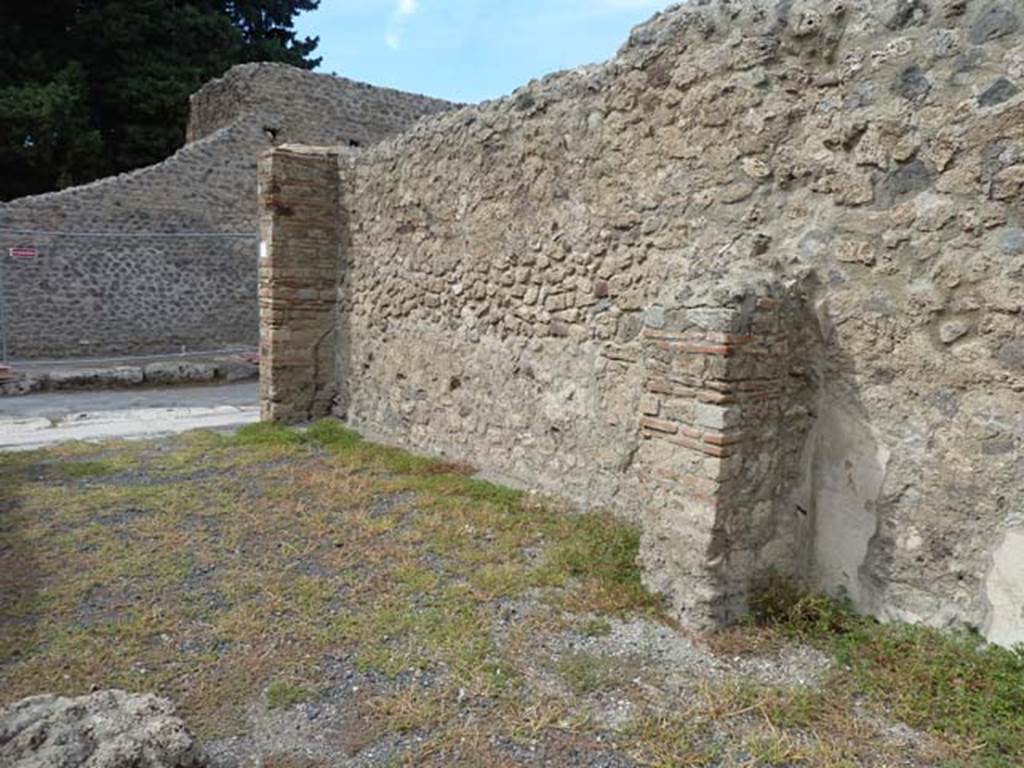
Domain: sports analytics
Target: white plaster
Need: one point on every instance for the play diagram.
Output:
(846, 468)
(1004, 588)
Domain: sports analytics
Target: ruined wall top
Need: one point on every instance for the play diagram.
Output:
(819, 44)
(297, 105)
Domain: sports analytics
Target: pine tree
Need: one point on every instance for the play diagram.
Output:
(89, 88)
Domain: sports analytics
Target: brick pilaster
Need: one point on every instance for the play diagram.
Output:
(300, 273)
(716, 387)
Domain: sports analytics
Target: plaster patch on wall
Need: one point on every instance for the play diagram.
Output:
(1004, 589)
(845, 465)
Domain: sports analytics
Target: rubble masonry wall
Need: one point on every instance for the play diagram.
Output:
(756, 282)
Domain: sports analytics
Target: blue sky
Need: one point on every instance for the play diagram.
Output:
(467, 50)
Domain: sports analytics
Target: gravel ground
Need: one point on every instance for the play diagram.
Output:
(319, 602)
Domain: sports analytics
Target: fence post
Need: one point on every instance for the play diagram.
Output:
(3, 307)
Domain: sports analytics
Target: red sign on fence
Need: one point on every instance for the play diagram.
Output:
(23, 253)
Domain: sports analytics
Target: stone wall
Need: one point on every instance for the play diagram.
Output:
(757, 282)
(128, 283)
(163, 259)
(294, 105)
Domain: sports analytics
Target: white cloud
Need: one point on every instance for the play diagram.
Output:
(396, 25)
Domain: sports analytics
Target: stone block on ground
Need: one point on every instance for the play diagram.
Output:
(107, 729)
(176, 372)
(93, 378)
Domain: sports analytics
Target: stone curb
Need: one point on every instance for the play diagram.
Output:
(168, 372)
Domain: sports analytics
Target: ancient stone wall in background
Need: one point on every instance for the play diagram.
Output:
(757, 281)
(294, 105)
(163, 259)
(112, 272)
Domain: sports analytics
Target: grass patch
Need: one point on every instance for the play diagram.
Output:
(284, 695)
(598, 627)
(602, 552)
(948, 683)
(78, 470)
(588, 673)
(220, 571)
(398, 461)
(331, 433)
(266, 433)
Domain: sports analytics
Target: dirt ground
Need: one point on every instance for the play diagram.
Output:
(310, 599)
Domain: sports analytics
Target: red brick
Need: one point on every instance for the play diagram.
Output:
(725, 387)
(658, 425)
(688, 431)
(701, 447)
(720, 350)
(718, 398)
(664, 387)
(723, 438)
(718, 337)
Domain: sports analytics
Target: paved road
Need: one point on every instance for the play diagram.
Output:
(35, 421)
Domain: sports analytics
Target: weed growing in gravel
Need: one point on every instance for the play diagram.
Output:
(281, 694)
(597, 628)
(588, 673)
(945, 682)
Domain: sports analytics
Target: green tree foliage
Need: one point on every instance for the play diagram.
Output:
(89, 88)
